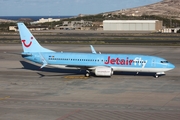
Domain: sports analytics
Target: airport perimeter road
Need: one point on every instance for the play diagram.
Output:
(27, 93)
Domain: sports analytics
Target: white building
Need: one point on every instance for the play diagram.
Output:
(170, 30)
(13, 28)
(42, 20)
(132, 25)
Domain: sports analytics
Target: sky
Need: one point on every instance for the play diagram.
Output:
(65, 7)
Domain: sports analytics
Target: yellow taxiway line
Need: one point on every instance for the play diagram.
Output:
(76, 77)
(4, 98)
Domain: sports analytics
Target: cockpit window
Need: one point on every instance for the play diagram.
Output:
(164, 62)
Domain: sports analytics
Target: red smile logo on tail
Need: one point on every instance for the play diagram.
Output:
(27, 45)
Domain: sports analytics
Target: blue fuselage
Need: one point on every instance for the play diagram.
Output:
(119, 62)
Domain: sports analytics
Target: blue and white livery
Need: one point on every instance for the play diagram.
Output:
(100, 64)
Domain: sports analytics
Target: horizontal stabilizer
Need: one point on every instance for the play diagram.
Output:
(43, 61)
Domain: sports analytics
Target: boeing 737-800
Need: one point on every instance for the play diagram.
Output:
(99, 64)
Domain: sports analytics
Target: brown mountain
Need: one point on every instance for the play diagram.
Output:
(164, 8)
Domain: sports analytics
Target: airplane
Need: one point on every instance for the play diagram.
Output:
(96, 63)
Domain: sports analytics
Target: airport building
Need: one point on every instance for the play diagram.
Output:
(42, 20)
(170, 30)
(133, 25)
(74, 25)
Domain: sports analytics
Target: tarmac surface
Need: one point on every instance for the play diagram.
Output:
(27, 93)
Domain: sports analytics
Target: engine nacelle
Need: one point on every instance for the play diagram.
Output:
(103, 71)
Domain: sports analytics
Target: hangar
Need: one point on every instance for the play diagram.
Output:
(133, 25)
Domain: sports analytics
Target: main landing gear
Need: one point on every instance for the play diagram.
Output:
(87, 73)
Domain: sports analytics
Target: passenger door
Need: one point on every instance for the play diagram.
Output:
(153, 63)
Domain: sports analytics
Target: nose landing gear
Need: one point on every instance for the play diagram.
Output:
(159, 74)
(156, 76)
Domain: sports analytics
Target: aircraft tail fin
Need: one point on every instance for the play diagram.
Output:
(29, 42)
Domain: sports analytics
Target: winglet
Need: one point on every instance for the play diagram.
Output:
(92, 49)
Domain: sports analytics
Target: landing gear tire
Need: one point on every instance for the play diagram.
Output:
(87, 74)
(156, 76)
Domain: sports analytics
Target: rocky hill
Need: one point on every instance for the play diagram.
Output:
(165, 8)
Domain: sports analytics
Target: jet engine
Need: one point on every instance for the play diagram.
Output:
(103, 71)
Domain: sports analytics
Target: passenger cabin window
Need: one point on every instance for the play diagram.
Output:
(70, 59)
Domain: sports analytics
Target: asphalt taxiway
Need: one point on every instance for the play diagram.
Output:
(55, 94)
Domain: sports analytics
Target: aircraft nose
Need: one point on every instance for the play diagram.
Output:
(171, 66)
